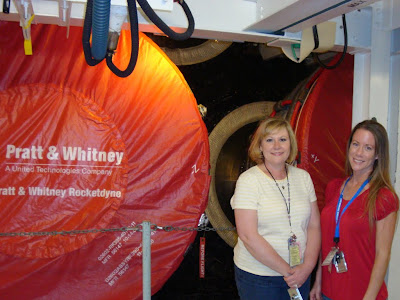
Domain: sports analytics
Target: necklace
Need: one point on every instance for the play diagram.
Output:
(287, 202)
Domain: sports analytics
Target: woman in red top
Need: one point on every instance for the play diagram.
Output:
(358, 221)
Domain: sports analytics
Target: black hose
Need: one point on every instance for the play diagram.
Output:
(133, 19)
(316, 37)
(87, 28)
(343, 53)
(132, 9)
(164, 27)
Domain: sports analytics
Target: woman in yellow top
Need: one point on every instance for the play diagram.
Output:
(277, 219)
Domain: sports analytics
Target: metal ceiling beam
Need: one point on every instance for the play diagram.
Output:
(228, 20)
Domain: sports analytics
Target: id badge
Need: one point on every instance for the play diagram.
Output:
(294, 252)
(294, 294)
(340, 262)
(329, 258)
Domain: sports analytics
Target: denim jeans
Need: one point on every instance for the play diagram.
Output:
(256, 287)
(325, 297)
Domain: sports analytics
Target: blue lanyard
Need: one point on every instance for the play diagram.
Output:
(339, 215)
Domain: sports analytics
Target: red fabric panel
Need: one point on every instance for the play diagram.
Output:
(53, 98)
(49, 167)
(324, 125)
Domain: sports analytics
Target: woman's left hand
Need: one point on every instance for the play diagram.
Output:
(298, 277)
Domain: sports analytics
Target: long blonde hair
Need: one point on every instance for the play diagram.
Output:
(379, 177)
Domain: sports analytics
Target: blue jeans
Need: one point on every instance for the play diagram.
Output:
(325, 297)
(256, 287)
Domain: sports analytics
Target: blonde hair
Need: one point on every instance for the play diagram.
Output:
(266, 127)
(379, 177)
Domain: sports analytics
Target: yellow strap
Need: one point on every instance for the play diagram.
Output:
(28, 47)
(28, 23)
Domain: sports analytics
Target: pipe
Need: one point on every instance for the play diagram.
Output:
(100, 21)
(146, 260)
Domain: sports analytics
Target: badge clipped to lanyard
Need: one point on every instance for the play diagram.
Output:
(294, 251)
(336, 256)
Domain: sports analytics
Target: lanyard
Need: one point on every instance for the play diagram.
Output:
(338, 215)
(287, 202)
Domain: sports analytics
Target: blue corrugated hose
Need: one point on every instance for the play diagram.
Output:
(100, 21)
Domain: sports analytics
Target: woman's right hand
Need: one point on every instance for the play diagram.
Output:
(315, 293)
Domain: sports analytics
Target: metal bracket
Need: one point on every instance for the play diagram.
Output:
(64, 13)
